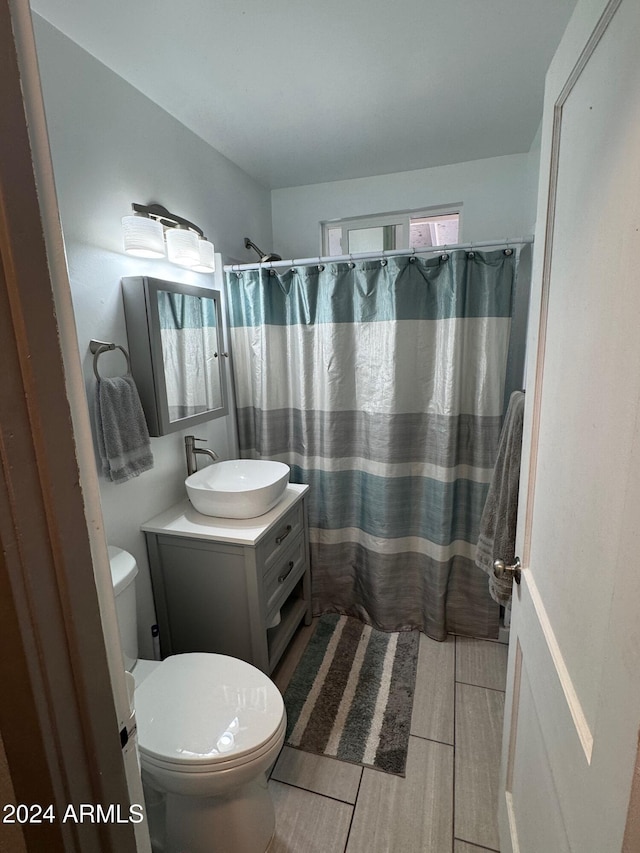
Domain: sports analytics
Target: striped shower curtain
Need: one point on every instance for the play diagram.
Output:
(381, 384)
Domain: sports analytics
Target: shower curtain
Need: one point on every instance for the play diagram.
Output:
(381, 384)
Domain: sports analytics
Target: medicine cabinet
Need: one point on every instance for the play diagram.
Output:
(176, 345)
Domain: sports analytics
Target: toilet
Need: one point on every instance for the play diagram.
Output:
(209, 727)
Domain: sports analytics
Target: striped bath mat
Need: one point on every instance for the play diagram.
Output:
(351, 695)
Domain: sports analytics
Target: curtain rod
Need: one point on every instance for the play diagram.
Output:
(390, 253)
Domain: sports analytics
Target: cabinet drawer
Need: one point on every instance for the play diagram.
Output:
(281, 537)
(283, 576)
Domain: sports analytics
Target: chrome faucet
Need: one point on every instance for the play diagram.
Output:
(191, 450)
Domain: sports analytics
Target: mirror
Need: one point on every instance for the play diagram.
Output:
(175, 341)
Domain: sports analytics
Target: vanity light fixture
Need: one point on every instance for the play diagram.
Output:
(151, 226)
(206, 261)
(143, 237)
(182, 246)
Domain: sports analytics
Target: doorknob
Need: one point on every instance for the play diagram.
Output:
(500, 570)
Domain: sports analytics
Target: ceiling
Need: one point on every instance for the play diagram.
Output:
(298, 93)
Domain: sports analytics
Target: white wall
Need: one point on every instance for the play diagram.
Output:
(497, 197)
(111, 146)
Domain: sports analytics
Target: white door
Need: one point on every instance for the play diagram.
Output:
(572, 709)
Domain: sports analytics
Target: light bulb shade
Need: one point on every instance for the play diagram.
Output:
(182, 247)
(143, 237)
(207, 262)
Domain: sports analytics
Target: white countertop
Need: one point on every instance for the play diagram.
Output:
(183, 520)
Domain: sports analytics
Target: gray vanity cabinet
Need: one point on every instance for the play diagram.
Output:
(219, 584)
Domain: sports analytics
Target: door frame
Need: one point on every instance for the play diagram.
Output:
(60, 727)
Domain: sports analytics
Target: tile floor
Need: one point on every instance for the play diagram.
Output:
(447, 801)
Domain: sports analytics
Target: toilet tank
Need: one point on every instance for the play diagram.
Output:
(123, 572)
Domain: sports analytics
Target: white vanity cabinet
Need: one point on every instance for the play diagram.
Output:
(219, 583)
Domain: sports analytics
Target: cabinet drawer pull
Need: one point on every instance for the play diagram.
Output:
(283, 536)
(282, 578)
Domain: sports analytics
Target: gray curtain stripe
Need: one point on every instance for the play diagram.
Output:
(404, 591)
(429, 437)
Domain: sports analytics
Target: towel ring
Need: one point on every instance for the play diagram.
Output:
(98, 347)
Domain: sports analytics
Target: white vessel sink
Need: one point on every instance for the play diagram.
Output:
(238, 488)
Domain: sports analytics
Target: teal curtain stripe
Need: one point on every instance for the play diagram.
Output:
(405, 288)
(394, 507)
(185, 311)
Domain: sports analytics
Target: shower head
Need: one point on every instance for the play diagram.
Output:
(264, 258)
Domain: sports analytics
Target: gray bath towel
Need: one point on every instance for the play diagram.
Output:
(123, 436)
(497, 539)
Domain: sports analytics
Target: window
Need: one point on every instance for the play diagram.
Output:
(413, 229)
(425, 231)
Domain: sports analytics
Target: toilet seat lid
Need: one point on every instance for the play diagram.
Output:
(199, 709)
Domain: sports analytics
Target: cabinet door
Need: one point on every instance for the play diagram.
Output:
(208, 603)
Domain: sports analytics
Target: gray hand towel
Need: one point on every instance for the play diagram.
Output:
(497, 539)
(123, 436)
